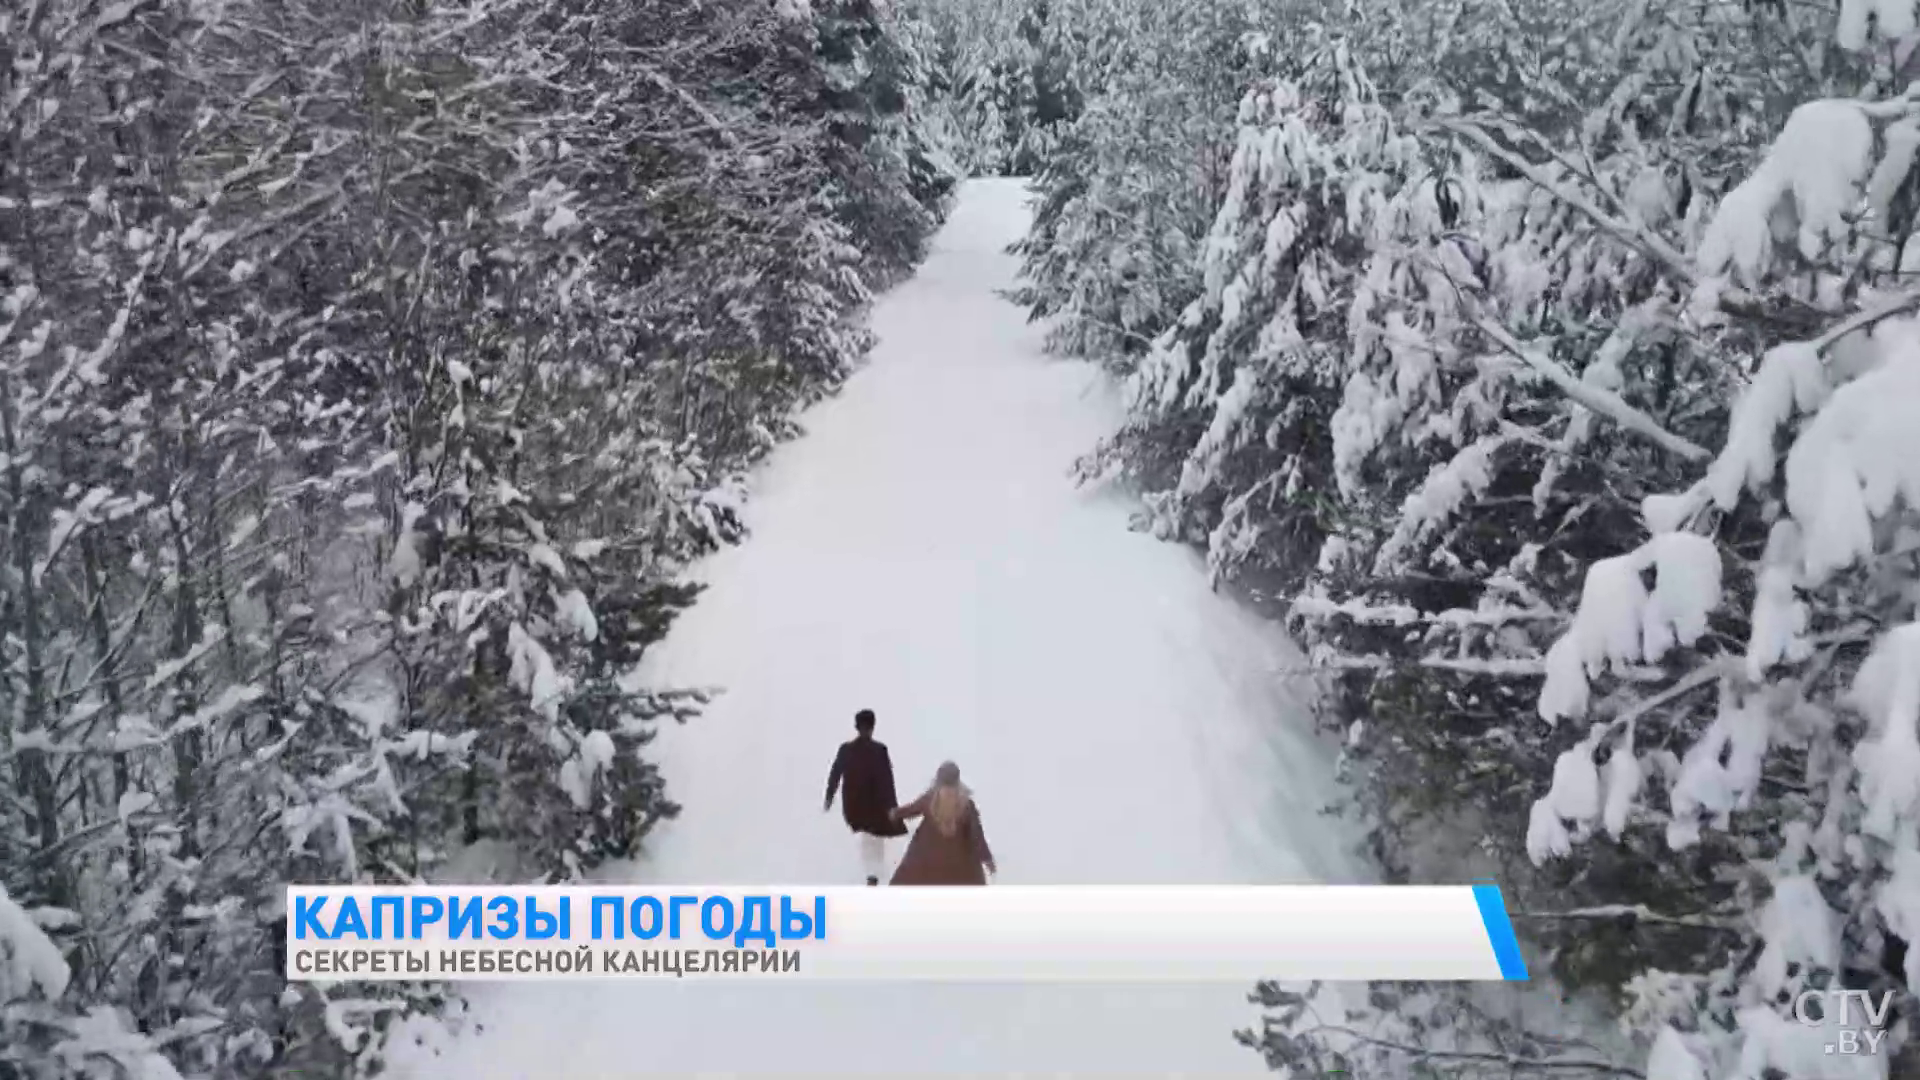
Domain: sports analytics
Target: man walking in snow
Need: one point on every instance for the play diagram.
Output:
(868, 799)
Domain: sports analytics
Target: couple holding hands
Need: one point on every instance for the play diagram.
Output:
(949, 847)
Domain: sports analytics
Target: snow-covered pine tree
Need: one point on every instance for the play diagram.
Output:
(891, 178)
(1008, 67)
(967, 61)
(1128, 184)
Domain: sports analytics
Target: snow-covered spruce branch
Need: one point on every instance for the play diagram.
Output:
(1636, 913)
(1085, 319)
(1513, 1062)
(1509, 668)
(1646, 241)
(1634, 236)
(1703, 676)
(1361, 611)
(692, 103)
(1596, 398)
(1499, 667)
(1604, 402)
(1866, 318)
(1558, 449)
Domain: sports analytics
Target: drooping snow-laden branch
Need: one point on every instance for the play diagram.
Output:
(1514, 1062)
(1602, 401)
(1865, 318)
(1647, 242)
(1673, 260)
(692, 102)
(1636, 913)
(1704, 675)
(1510, 668)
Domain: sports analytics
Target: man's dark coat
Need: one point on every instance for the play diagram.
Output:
(868, 798)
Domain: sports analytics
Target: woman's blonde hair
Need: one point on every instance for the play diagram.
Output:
(948, 799)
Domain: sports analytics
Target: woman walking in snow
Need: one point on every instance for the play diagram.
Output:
(949, 847)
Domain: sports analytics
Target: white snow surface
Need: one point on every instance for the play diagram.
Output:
(924, 551)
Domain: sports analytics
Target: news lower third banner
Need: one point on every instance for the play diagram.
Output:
(999, 933)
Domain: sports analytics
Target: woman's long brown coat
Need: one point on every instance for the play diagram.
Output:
(934, 858)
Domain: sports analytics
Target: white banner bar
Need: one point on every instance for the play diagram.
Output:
(996, 933)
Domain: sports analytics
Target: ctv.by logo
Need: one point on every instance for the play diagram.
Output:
(1829, 1009)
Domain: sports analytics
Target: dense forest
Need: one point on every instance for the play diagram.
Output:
(1554, 370)
(368, 371)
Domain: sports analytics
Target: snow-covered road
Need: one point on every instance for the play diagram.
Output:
(924, 552)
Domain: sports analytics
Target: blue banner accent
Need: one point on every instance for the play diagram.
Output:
(1506, 948)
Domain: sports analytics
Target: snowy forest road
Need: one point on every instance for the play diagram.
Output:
(925, 552)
